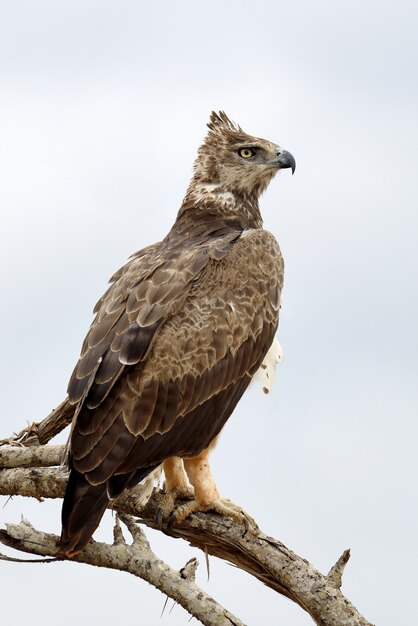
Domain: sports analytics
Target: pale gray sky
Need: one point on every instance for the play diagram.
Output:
(102, 108)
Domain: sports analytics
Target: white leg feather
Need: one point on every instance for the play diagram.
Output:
(266, 373)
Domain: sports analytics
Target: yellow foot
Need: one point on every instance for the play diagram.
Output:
(205, 497)
(166, 505)
(249, 520)
(219, 505)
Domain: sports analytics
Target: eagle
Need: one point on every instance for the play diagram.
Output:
(176, 339)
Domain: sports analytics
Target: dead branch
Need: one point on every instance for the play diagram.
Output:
(33, 456)
(136, 558)
(39, 433)
(261, 556)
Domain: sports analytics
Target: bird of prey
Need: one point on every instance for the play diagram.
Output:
(176, 340)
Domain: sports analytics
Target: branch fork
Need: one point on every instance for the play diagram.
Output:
(34, 471)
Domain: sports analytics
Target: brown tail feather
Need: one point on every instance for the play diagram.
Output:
(82, 510)
(84, 505)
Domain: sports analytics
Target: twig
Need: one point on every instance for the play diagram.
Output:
(189, 570)
(11, 559)
(136, 559)
(335, 574)
(261, 556)
(39, 433)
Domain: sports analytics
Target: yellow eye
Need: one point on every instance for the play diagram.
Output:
(246, 153)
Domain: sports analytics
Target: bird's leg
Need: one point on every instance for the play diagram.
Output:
(206, 495)
(176, 485)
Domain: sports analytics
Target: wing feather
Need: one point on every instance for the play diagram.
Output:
(135, 342)
(115, 450)
(187, 373)
(145, 293)
(85, 449)
(144, 408)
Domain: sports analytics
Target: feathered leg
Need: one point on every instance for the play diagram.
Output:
(205, 496)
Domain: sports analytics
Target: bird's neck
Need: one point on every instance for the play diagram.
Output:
(214, 199)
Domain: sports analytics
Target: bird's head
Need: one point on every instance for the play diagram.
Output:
(238, 162)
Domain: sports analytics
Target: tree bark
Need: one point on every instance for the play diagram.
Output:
(136, 559)
(39, 433)
(31, 472)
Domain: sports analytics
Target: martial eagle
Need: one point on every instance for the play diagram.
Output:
(176, 340)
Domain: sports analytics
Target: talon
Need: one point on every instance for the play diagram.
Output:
(176, 486)
(171, 520)
(204, 496)
(159, 518)
(246, 525)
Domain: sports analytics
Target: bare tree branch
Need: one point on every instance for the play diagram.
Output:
(39, 433)
(260, 555)
(136, 559)
(335, 575)
(33, 456)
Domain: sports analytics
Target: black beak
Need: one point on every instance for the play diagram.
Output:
(285, 160)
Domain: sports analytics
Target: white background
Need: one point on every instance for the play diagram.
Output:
(102, 108)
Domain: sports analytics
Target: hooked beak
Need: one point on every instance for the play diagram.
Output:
(285, 159)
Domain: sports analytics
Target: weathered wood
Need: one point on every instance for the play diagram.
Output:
(31, 456)
(136, 559)
(39, 433)
(260, 555)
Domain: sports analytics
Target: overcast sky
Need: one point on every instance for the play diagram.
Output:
(102, 107)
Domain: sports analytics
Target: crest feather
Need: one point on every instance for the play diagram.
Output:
(220, 122)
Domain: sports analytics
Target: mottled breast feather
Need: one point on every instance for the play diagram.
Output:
(201, 322)
(144, 293)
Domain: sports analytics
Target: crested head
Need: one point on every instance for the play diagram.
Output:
(232, 170)
(237, 162)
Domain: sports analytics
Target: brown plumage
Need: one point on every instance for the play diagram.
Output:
(179, 333)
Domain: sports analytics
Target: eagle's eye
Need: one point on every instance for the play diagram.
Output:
(246, 153)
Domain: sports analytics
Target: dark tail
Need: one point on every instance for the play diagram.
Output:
(84, 505)
(82, 510)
